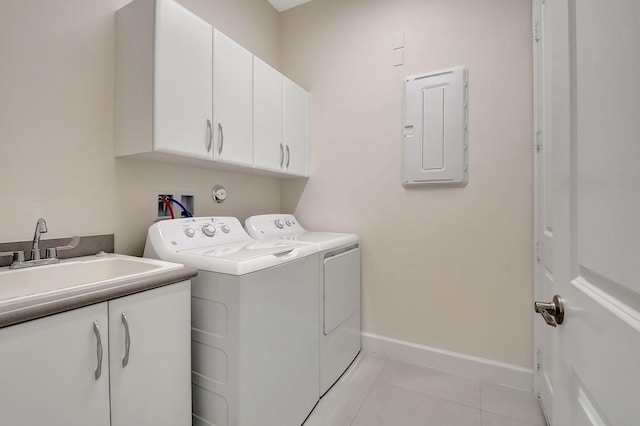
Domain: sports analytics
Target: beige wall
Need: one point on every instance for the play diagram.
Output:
(254, 24)
(444, 267)
(56, 124)
(449, 268)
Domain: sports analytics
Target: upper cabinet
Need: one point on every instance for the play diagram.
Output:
(164, 69)
(269, 150)
(186, 92)
(279, 122)
(232, 101)
(295, 128)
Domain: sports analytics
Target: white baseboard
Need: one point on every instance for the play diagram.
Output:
(482, 369)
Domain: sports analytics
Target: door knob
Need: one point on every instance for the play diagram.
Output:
(553, 313)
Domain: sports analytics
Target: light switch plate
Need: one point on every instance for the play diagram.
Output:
(398, 57)
(398, 40)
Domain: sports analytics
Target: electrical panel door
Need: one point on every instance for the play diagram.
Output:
(435, 121)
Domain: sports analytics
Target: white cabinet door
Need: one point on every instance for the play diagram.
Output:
(295, 128)
(279, 122)
(48, 369)
(232, 101)
(163, 93)
(182, 74)
(268, 144)
(153, 386)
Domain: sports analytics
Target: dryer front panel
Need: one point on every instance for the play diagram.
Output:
(341, 287)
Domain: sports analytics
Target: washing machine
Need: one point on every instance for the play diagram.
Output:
(339, 278)
(255, 321)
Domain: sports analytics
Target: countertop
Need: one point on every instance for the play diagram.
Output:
(21, 311)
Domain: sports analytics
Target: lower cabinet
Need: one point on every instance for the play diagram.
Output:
(119, 363)
(154, 387)
(49, 370)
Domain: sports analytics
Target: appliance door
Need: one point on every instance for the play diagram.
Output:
(341, 286)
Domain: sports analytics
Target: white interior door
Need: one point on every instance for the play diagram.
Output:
(596, 206)
(544, 284)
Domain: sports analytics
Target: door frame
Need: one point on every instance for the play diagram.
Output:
(539, 135)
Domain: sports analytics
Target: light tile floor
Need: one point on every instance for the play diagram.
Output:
(377, 391)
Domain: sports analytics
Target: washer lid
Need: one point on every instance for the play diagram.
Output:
(242, 257)
(244, 250)
(219, 244)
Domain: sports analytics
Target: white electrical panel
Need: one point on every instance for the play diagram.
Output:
(434, 125)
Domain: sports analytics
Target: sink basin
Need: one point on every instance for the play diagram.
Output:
(69, 275)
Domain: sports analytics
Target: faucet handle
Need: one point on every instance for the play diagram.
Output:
(18, 255)
(52, 252)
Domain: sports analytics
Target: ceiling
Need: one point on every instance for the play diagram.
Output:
(282, 5)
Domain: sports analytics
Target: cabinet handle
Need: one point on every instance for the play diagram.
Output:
(221, 133)
(288, 156)
(281, 155)
(127, 340)
(96, 330)
(209, 135)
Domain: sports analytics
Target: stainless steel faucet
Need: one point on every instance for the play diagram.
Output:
(41, 228)
(52, 252)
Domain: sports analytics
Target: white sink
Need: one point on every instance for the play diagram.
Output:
(17, 285)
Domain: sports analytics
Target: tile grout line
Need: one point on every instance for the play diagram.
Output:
(375, 379)
(481, 409)
(524, 422)
(479, 383)
(440, 398)
(527, 423)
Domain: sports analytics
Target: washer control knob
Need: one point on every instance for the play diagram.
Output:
(289, 222)
(190, 232)
(279, 223)
(225, 229)
(209, 230)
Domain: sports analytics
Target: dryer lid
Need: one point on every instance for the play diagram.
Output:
(286, 227)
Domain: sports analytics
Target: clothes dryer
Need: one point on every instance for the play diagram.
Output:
(255, 321)
(339, 278)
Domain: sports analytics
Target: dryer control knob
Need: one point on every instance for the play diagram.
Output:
(209, 230)
(190, 232)
(225, 229)
(289, 222)
(279, 223)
